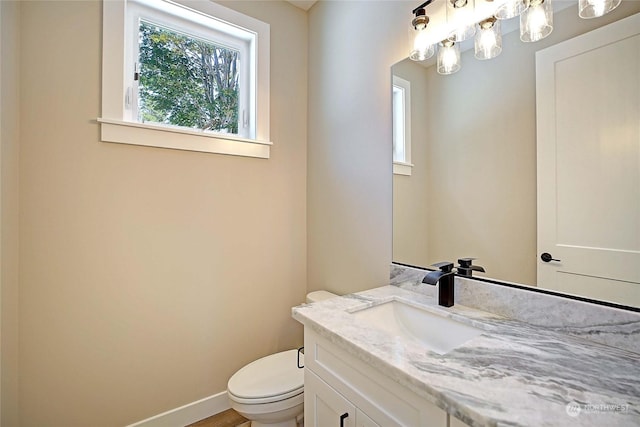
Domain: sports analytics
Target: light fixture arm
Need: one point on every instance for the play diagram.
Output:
(422, 6)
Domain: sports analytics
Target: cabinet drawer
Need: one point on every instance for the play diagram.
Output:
(383, 400)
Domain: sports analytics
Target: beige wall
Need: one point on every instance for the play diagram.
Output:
(352, 44)
(481, 162)
(9, 160)
(148, 276)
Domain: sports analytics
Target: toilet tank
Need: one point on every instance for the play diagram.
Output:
(316, 296)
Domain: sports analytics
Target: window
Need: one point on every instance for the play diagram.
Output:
(401, 126)
(189, 75)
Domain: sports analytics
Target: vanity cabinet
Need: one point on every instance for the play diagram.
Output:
(342, 391)
(454, 422)
(330, 408)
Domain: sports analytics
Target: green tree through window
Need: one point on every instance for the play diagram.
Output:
(185, 81)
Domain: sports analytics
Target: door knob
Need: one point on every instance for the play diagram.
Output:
(546, 257)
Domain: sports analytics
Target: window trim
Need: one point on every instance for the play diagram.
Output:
(116, 128)
(403, 167)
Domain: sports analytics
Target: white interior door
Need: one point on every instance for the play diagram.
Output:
(588, 118)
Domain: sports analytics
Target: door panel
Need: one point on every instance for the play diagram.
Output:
(363, 420)
(588, 113)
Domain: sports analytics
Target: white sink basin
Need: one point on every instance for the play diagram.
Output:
(437, 333)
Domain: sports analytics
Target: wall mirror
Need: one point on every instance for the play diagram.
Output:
(471, 186)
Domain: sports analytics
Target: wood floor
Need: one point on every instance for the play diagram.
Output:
(228, 418)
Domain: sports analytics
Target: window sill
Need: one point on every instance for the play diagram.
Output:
(149, 135)
(401, 168)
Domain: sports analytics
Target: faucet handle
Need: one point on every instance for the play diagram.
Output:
(466, 266)
(444, 266)
(465, 262)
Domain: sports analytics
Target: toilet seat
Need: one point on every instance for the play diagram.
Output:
(270, 379)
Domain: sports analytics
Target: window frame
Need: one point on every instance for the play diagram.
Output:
(144, 11)
(402, 167)
(118, 125)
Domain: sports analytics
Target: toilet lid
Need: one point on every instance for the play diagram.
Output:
(276, 375)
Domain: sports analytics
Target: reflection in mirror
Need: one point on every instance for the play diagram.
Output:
(401, 98)
(473, 186)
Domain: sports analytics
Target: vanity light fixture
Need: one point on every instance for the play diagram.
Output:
(536, 22)
(448, 57)
(588, 9)
(459, 10)
(488, 41)
(421, 50)
(511, 9)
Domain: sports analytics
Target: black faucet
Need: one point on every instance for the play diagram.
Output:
(466, 268)
(445, 276)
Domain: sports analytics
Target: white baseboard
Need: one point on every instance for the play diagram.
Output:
(189, 413)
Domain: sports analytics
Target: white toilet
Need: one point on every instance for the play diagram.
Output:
(270, 391)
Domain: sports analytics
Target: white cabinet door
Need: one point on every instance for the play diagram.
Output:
(362, 420)
(325, 407)
(454, 422)
(588, 113)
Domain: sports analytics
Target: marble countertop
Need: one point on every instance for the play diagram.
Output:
(513, 374)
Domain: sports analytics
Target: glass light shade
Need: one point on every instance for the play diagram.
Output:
(488, 41)
(536, 22)
(463, 33)
(420, 49)
(461, 11)
(588, 9)
(511, 9)
(448, 57)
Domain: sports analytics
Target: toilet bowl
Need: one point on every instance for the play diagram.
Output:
(270, 391)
